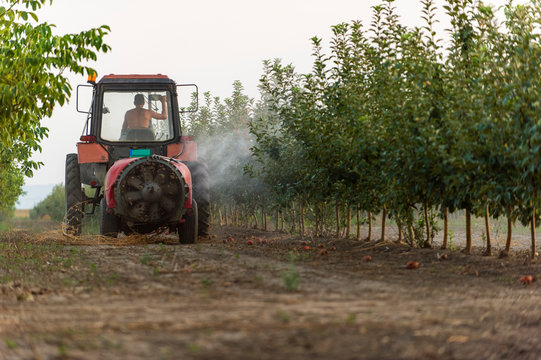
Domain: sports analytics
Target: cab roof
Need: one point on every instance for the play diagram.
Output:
(136, 79)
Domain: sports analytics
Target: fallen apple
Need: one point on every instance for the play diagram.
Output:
(412, 265)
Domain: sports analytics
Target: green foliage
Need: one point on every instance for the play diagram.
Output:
(452, 245)
(53, 205)
(33, 63)
(392, 117)
(291, 276)
(386, 119)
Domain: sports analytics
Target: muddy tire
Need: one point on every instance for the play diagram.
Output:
(201, 194)
(187, 231)
(109, 223)
(74, 196)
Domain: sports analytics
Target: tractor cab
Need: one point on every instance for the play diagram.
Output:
(143, 172)
(135, 115)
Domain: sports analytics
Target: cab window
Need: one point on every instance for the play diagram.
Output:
(136, 116)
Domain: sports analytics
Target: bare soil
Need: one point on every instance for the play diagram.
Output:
(249, 294)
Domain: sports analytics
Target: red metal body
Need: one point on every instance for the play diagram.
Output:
(187, 149)
(91, 153)
(114, 171)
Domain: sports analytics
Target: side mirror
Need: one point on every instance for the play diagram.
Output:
(188, 98)
(85, 101)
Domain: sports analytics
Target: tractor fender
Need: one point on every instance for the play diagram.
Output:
(118, 166)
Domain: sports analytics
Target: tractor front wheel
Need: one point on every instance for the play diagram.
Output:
(187, 230)
(74, 196)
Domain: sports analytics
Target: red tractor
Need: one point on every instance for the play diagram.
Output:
(143, 174)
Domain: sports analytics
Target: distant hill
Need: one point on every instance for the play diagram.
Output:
(33, 195)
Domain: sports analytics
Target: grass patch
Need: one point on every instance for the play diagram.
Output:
(283, 316)
(291, 276)
(30, 264)
(146, 259)
(11, 344)
(207, 282)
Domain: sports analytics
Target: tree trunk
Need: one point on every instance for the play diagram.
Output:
(488, 251)
(445, 228)
(226, 216)
(316, 216)
(467, 250)
(302, 220)
(383, 218)
(428, 242)
(264, 218)
(319, 219)
(277, 220)
(369, 237)
(533, 255)
(399, 225)
(282, 226)
(411, 234)
(358, 214)
(293, 219)
(255, 219)
(509, 235)
(348, 221)
(337, 210)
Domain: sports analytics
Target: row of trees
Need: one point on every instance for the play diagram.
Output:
(393, 120)
(53, 206)
(33, 67)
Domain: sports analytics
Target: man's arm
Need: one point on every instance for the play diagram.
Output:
(163, 115)
(125, 123)
(124, 130)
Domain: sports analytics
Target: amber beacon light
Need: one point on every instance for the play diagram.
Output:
(92, 78)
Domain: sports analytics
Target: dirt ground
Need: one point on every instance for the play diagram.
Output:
(248, 294)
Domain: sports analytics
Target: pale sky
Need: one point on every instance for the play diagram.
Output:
(209, 42)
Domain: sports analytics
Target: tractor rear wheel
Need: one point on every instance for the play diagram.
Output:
(109, 223)
(74, 196)
(201, 194)
(187, 230)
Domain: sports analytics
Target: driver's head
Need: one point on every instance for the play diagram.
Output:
(139, 99)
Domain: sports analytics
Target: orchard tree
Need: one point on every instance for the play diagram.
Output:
(278, 159)
(33, 63)
(522, 90)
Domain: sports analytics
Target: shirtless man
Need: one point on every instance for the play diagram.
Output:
(139, 118)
